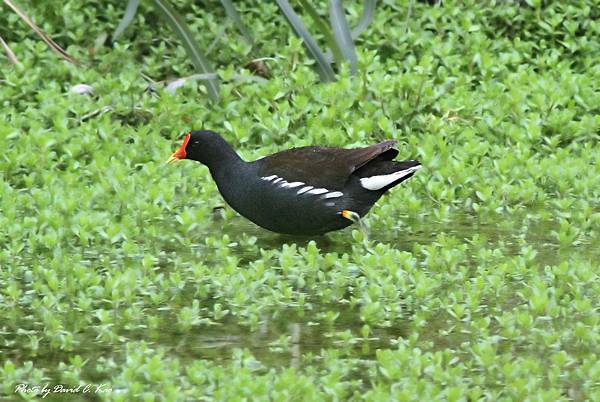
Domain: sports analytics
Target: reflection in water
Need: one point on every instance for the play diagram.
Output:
(294, 329)
(281, 339)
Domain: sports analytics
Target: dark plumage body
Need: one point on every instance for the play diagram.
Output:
(301, 191)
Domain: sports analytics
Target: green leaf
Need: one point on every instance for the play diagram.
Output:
(323, 68)
(132, 6)
(181, 29)
(341, 32)
(234, 16)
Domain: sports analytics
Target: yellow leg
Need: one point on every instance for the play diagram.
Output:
(355, 217)
(351, 215)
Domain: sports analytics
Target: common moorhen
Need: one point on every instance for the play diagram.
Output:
(301, 191)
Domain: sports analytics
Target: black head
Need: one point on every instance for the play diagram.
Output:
(206, 147)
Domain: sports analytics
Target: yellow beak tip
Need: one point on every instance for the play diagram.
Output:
(172, 159)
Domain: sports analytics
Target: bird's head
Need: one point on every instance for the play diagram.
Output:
(203, 146)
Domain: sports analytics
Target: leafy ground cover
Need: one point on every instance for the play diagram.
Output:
(479, 276)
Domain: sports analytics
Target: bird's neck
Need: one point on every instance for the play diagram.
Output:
(232, 179)
(230, 172)
(229, 165)
(219, 156)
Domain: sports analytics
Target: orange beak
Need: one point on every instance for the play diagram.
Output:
(180, 153)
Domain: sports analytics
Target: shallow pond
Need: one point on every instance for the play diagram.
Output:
(303, 328)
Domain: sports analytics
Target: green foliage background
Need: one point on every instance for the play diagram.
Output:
(480, 277)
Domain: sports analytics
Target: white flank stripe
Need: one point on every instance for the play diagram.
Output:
(318, 191)
(292, 184)
(379, 182)
(274, 179)
(304, 189)
(330, 204)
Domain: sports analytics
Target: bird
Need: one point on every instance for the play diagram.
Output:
(304, 191)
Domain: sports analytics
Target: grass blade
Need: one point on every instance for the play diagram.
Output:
(9, 53)
(234, 16)
(174, 85)
(132, 6)
(365, 19)
(45, 37)
(185, 35)
(363, 23)
(217, 39)
(323, 67)
(341, 32)
(325, 30)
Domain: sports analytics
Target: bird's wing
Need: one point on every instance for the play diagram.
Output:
(322, 167)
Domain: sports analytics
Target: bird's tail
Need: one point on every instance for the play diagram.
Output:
(383, 175)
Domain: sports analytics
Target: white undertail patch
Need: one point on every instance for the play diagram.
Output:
(380, 181)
